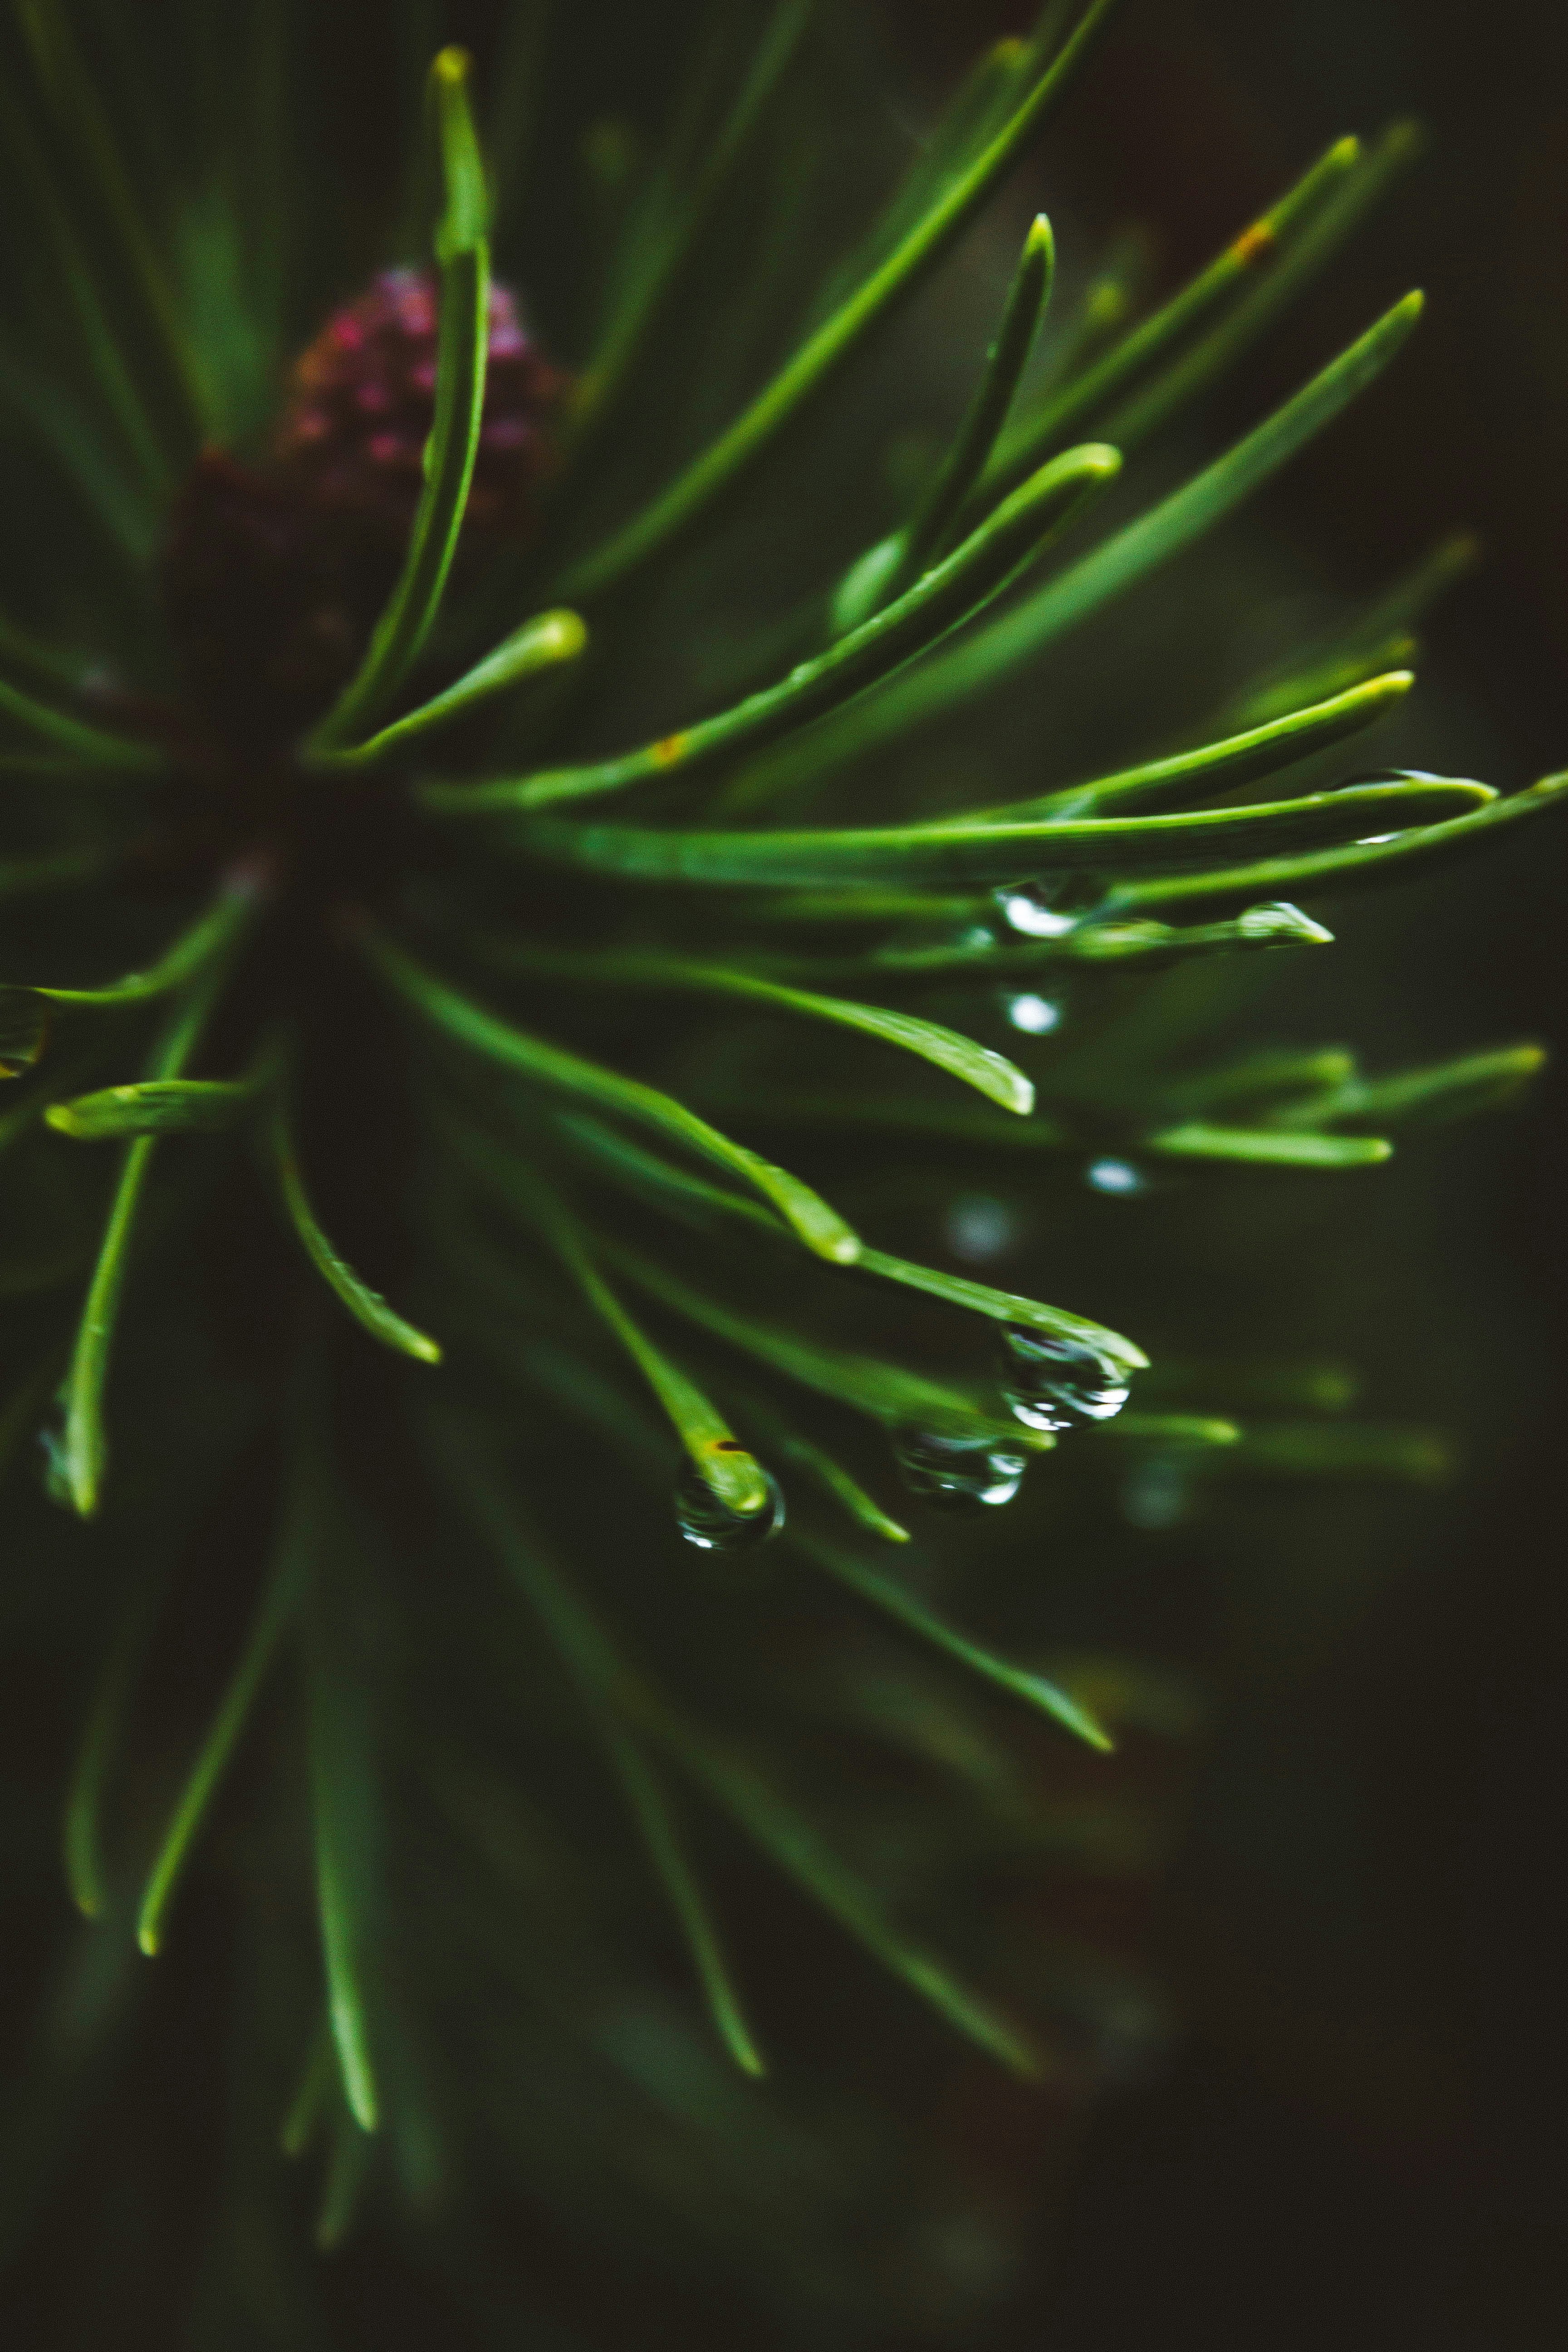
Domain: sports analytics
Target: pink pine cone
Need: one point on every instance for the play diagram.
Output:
(364, 396)
(274, 573)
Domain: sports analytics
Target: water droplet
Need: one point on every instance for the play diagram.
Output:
(1037, 1016)
(1038, 910)
(1277, 919)
(958, 1474)
(971, 938)
(1394, 776)
(1155, 1492)
(1116, 1176)
(1057, 1383)
(704, 1521)
(1388, 776)
(979, 1230)
(55, 1467)
(976, 938)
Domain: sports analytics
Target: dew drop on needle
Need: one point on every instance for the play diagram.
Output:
(1037, 1016)
(1035, 909)
(1058, 1384)
(711, 1525)
(958, 1474)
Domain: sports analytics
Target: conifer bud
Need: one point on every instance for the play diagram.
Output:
(364, 396)
(274, 573)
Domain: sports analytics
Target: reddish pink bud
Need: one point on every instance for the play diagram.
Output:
(364, 401)
(274, 575)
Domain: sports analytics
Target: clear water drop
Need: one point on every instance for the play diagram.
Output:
(1277, 919)
(1055, 1384)
(1037, 1016)
(1038, 910)
(958, 1474)
(1388, 776)
(1156, 1493)
(957, 939)
(705, 1521)
(1118, 1177)
(56, 1463)
(979, 1230)
(974, 938)
(1392, 776)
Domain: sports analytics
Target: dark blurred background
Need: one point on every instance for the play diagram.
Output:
(1361, 2143)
